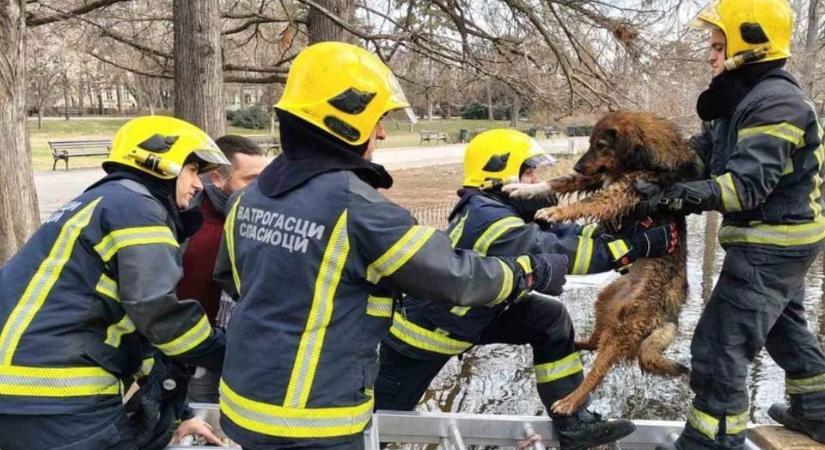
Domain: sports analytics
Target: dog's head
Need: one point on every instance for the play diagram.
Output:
(622, 142)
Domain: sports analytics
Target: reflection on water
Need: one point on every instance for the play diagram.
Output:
(499, 379)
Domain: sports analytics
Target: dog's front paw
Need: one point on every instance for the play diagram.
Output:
(565, 406)
(526, 190)
(553, 214)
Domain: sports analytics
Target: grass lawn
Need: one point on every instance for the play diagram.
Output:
(400, 134)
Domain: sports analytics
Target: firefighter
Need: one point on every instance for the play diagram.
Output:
(425, 334)
(94, 289)
(318, 257)
(764, 157)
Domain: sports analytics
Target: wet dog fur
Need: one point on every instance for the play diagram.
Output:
(636, 315)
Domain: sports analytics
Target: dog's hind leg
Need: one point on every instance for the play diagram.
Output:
(608, 355)
(602, 311)
(651, 358)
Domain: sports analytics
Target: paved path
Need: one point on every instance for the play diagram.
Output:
(58, 187)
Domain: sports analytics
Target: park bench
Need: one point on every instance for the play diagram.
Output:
(267, 143)
(430, 136)
(63, 150)
(551, 132)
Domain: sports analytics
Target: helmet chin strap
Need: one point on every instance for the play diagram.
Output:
(739, 60)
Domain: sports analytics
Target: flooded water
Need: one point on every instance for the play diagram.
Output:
(499, 379)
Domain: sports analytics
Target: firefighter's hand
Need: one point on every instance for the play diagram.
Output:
(549, 273)
(527, 190)
(654, 242)
(198, 427)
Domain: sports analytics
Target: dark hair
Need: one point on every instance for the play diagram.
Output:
(232, 144)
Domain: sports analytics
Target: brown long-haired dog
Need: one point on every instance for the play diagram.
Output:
(636, 315)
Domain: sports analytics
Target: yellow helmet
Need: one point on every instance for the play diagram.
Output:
(160, 146)
(756, 30)
(496, 156)
(342, 89)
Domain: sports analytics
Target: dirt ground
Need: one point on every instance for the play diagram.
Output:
(437, 185)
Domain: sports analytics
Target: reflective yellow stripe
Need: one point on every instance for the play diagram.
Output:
(703, 422)
(425, 339)
(730, 199)
(815, 197)
(127, 237)
(737, 423)
(188, 340)
(42, 282)
(115, 332)
(506, 284)
(401, 252)
(145, 368)
(494, 231)
(57, 382)
(458, 230)
(379, 306)
(460, 311)
(806, 385)
(784, 130)
(556, 370)
(229, 235)
(525, 263)
(584, 251)
(779, 235)
(282, 421)
(108, 287)
(312, 339)
(618, 248)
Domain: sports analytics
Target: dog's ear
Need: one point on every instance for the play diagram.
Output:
(631, 150)
(609, 135)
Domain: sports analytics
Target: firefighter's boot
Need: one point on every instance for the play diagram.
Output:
(585, 429)
(784, 415)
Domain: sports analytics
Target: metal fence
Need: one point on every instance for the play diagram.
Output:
(433, 216)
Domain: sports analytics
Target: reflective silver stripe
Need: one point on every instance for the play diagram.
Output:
(779, 235)
(784, 130)
(405, 248)
(425, 339)
(126, 237)
(379, 306)
(806, 385)
(320, 314)
(57, 382)
(455, 233)
(506, 284)
(730, 199)
(115, 332)
(42, 282)
(555, 370)
(276, 420)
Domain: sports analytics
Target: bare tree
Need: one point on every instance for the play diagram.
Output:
(324, 17)
(811, 48)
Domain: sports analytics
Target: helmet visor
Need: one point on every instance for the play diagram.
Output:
(398, 98)
(210, 159)
(543, 160)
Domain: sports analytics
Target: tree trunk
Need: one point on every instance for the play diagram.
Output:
(322, 28)
(199, 65)
(490, 114)
(18, 197)
(119, 97)
(40, 118)
(811, 47)
(515, 107)
(66, 94)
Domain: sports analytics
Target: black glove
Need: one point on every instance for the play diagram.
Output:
(656, 201)
(159, 403)
(643, 242)
(549, 274)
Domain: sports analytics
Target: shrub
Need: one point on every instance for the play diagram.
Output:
(252, 118)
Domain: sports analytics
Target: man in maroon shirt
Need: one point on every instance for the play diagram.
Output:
(202, 248)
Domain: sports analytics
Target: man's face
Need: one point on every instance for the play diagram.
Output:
(378, 134)
(716, 52)
(245, 168)
(187, 185)
(529, 176)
